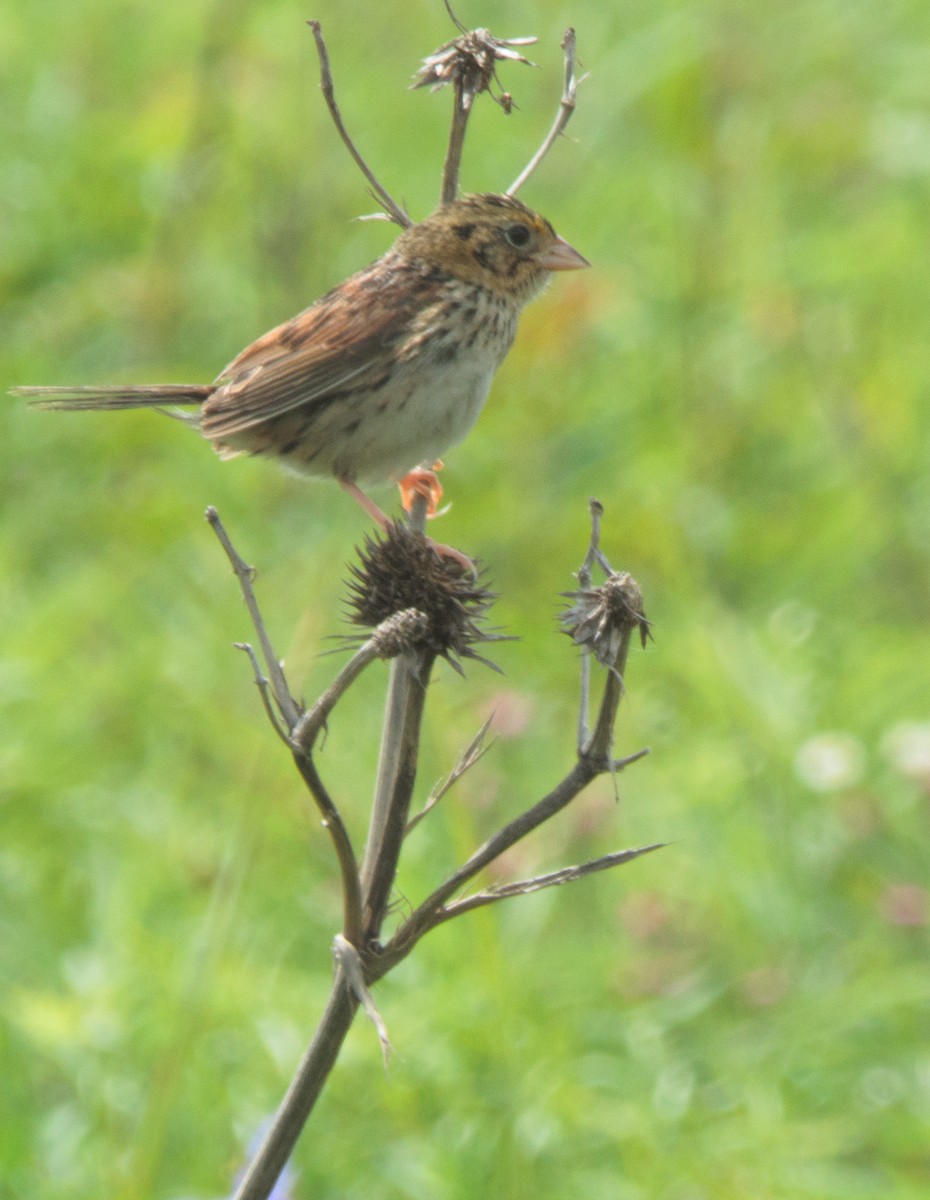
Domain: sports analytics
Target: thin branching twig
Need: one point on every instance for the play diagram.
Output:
(390, 205)
(294, 721)
(476, 749)
(563, 116)
(352, 906)
(288, 706)
(603, 622)
(434, 910)
(453, 17)
(523, 887)
(264, 690)
(307, 729)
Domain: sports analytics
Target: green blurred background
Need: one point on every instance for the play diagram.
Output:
(742, 379)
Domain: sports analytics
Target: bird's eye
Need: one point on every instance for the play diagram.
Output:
(517, 235)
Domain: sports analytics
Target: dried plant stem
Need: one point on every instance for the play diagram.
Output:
(391, 207)
(594, 758)
(290, 710)
(278, 1145)
(562, 118)
(454, 19)
(475, 750)
(321, 1055)
(602, 621)
(263, 683)
(297, 722)
(461, 111)
(307, 729)
(352, 925)
(400, 743)
(599, 744)
(523, 887)
(397, 763)
(434, 911)
(369, 888)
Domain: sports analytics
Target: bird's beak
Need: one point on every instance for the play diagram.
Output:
(560, 256)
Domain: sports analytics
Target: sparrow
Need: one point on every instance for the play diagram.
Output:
(378, 378)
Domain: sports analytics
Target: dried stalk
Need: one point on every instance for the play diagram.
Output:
(563, 116)
(453, 161)
(396, 777)
(288, 706)
(293, 716)
(313, 721)
(381, 194)
(603, 621)
(473, 752)
(469, 63)
(400, 743)
(523, 887)
(262, 1174)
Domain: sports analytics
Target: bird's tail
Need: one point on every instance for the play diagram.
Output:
(156, 395)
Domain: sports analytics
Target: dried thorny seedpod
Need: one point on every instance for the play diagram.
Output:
(427, 601)
(400, 632)
(470, 63)
(602, 617)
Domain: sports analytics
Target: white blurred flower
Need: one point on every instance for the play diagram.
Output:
(830, 761)
(907, 747)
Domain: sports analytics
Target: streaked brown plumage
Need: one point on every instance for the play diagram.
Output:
(387, 371)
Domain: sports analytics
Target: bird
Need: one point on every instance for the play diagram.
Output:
(378, 378)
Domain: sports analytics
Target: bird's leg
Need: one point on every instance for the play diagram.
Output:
(350, 486)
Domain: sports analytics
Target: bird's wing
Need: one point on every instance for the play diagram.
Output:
(346, 340)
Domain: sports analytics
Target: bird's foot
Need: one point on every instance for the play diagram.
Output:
(425, 483)
(443, 551)
(416, 483)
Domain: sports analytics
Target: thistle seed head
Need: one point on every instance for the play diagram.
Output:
(601, 618)
(415, 599)
(470, 62)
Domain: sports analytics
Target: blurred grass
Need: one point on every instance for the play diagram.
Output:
(743, 382)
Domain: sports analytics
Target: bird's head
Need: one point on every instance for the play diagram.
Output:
(493, 241)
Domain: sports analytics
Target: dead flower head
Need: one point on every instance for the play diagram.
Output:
(470, 63)
(416, 600)
(601, 618)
